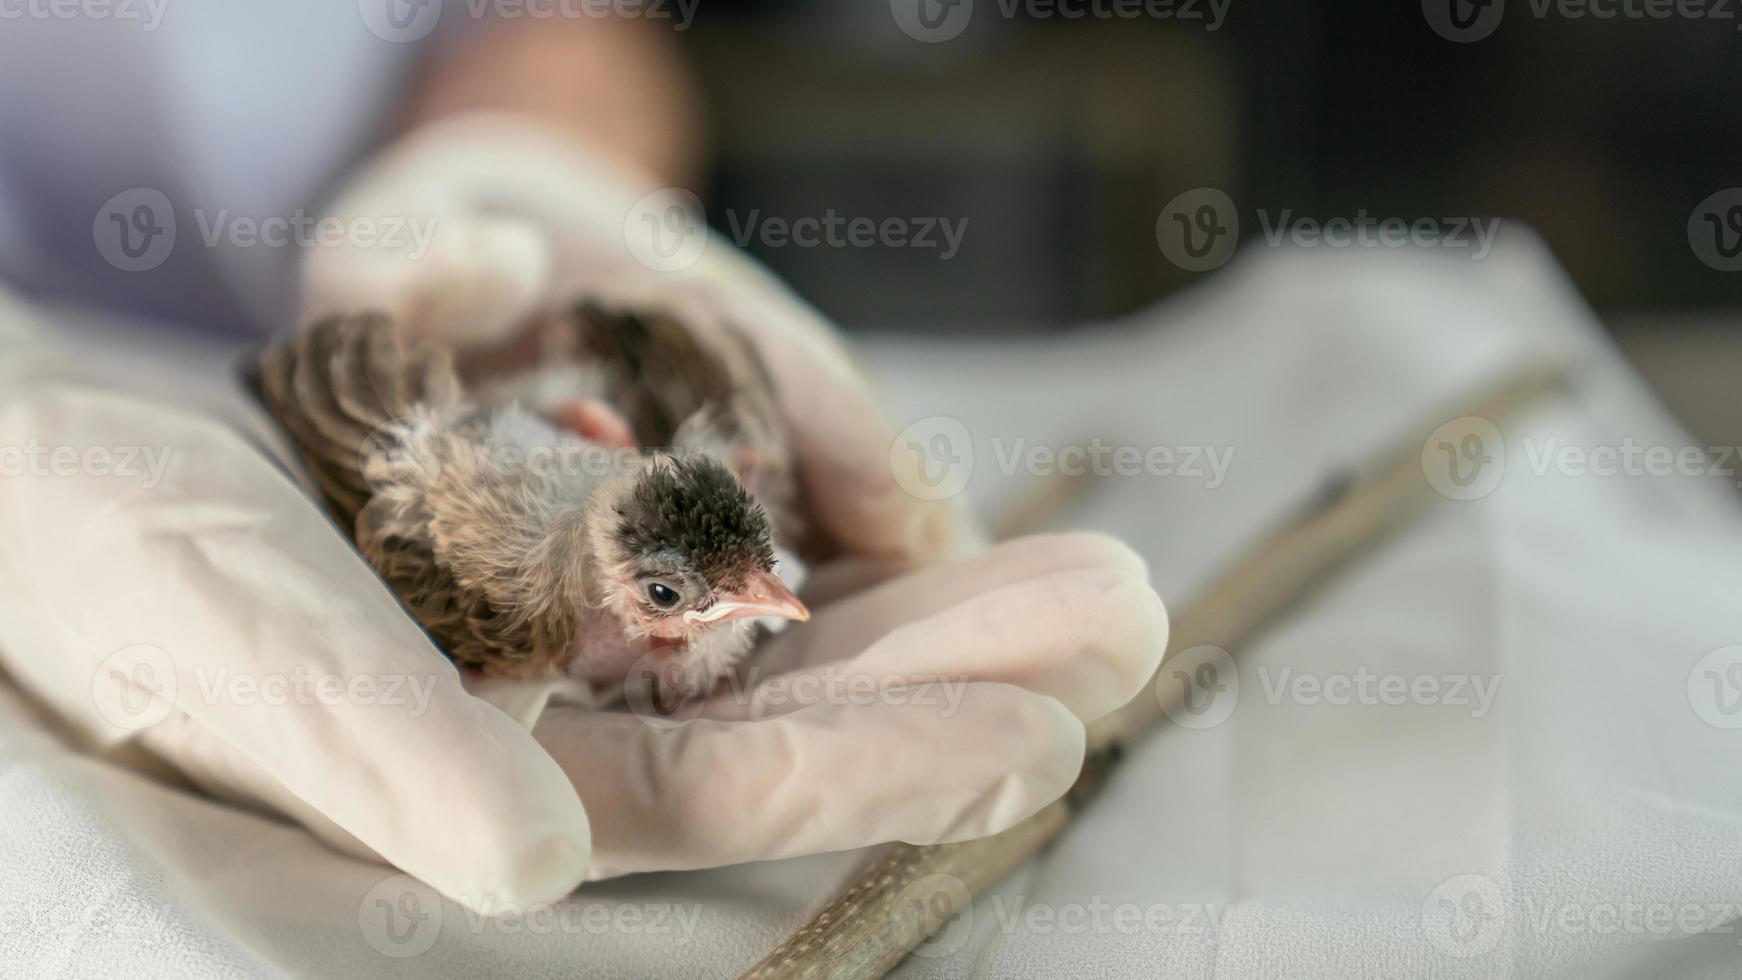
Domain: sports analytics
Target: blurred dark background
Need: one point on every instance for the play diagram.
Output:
(1060, 139)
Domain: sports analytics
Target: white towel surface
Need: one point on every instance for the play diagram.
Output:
(1582, 818)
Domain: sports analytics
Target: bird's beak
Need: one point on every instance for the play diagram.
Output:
(763, 595)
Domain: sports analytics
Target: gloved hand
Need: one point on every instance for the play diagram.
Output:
(954, 706)
(519, 218)
(944, 704)
(164, 586)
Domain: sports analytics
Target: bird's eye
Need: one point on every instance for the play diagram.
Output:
(663, 596)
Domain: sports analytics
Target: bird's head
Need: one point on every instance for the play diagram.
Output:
(688, 549)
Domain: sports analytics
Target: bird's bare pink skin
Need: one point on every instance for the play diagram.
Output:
(595, 421)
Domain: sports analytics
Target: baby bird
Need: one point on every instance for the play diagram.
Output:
(525, 526)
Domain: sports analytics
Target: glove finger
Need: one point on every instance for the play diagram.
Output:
(1090, 638)
(827, 777)
(848, 626)
(236, 603)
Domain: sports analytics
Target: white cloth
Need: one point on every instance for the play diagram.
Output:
(1315, 835)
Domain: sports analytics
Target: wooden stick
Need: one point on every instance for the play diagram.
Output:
(907, 892)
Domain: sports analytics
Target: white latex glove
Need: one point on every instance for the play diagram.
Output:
(164, 585)
(1019, 645)
(943, 705)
